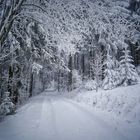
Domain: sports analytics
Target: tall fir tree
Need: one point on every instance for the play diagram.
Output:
(128, 70)
(111, 72)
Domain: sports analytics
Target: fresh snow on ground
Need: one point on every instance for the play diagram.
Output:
(122, 104)
(86, 115)
(51, 117)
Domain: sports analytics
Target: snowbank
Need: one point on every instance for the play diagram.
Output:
(122, 102)
(120, 105)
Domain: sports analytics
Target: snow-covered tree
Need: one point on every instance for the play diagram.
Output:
(128, 70)
(70, 73)
(111, 71)
(76, 79)
(7, 107)
(108, 72)
(97, 67)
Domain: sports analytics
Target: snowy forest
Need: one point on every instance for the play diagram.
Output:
(65, 45)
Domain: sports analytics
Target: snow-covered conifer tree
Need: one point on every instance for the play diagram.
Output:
(128, 70)
(108, 73)
(111, 72)
(97, 67)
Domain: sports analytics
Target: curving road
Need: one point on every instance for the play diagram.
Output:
(49, 117)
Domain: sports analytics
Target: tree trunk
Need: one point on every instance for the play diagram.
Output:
(31, 85)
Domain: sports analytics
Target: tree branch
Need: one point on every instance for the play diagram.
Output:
(35, 6)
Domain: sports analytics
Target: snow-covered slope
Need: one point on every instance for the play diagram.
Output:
(123, 102)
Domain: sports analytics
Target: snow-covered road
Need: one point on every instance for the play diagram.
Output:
(49, 117)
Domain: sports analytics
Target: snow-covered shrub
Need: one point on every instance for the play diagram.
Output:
(77, 80)
(6, 107)
(90, 85)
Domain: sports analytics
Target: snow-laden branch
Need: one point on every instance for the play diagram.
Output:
(36, 6)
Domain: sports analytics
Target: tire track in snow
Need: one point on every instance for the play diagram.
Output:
(47, 127)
